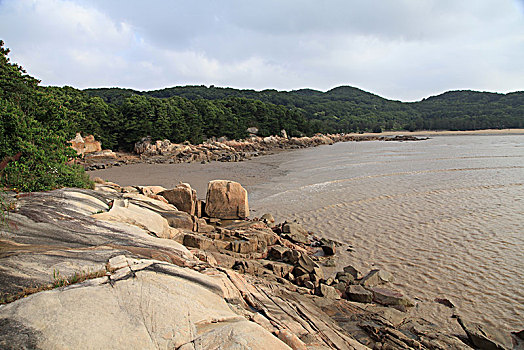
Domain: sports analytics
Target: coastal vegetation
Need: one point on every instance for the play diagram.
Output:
(349, 109)
(37, 121)
(34, 129)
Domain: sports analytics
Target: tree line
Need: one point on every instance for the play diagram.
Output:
(37, 121)
(349, 109)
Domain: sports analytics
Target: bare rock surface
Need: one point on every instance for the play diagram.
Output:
(376, 277)
(183, 197)
(133, 312)
(226, 200)
(55, 231)
(84, 145)
(483, 337)
(221, 283)
(359, 293)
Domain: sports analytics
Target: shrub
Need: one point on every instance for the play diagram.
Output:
(35, 126)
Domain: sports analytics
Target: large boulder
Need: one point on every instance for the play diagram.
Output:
(83, 145)
(226, 200)
(183, 197)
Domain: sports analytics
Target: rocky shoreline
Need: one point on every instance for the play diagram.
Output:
(160, 268)
(221, 149)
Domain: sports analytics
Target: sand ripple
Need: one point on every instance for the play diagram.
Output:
(446, 215)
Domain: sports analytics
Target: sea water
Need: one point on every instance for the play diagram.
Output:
(444, 215)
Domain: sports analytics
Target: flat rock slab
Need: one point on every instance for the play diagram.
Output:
(359, 294)
(54, 232)
(390, 297)
(485, 338)
(376, 277)
(161, 306)
(295, 233)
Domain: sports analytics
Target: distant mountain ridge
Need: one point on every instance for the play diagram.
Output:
(347, 108)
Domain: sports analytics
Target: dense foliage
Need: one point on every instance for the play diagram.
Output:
(121, 121)
(348, 109)
(37, 121)
(35, 128)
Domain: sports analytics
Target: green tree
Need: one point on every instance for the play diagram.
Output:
(33, 124)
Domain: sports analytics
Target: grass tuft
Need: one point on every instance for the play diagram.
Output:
(58, 281)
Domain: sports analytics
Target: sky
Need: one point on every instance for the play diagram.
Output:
(403, 49)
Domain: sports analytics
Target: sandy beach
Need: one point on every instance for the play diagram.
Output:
(439, 193)
(248, 173)
(446, 132)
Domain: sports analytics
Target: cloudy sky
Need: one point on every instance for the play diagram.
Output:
(399, 49)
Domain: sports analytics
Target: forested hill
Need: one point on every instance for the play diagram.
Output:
(349, 109)
(37, 121)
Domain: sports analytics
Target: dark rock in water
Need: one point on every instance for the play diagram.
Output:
(295, 233)
(359, 294)
(353, 271)
(484, 337)
(445, 302)
(328, 246)
(390, 297)
(376, 277)
(518, 339)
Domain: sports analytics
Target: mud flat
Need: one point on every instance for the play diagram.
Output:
(249, 173)
(449, 132)
(444, 214)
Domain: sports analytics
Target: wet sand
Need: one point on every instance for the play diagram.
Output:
(447, 132)
(249, 173)
(443, 215)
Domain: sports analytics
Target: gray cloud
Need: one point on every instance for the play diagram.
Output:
(404, 49)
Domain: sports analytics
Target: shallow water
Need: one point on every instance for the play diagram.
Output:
(445, 215)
